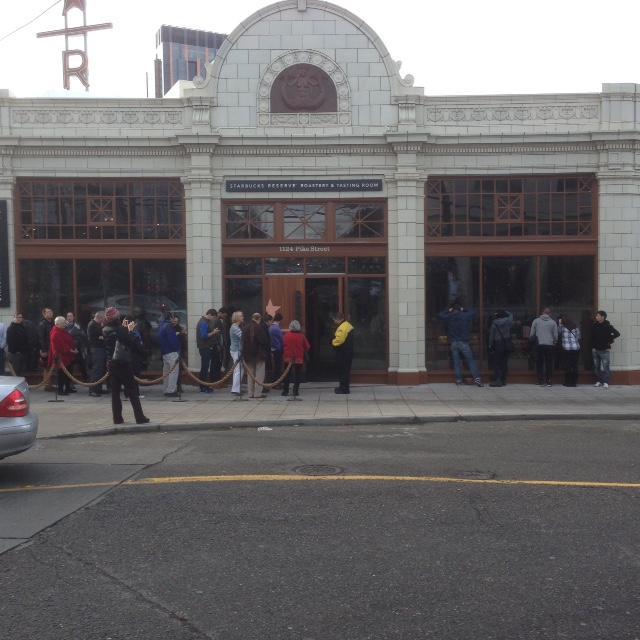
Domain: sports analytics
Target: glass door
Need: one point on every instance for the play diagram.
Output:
(322, 299)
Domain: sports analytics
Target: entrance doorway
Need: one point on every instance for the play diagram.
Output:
(312, 300)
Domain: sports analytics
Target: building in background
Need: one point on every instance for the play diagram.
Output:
(183, 54)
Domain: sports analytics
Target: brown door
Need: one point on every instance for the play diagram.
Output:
(286, 295)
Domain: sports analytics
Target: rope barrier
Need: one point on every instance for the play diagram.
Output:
(211, 385)
(35, 387)
(97, 383)
(159, 380)
(268, 385)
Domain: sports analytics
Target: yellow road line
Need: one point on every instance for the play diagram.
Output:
(172, 480)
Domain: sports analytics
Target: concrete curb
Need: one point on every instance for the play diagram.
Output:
(339, 422)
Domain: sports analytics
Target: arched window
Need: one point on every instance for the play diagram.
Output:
(303, 88)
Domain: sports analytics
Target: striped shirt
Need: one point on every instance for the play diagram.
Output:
(570, 339)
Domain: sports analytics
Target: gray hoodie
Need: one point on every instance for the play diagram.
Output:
(545, 329)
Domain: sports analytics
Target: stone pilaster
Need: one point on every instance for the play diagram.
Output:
(406, 271)
(619, 262)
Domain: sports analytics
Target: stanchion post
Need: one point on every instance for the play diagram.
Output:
(179, 398)
(55, 398)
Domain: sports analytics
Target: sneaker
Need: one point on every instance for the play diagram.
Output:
(290, 398)
(548, 384)
(496, 384)
(141, 397)
(606, 385)
(598, 384)
(459, 382)
(478, 383)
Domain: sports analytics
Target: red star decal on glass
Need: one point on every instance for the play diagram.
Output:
(271, 308)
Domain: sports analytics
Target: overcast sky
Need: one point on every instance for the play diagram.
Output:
(455, 47)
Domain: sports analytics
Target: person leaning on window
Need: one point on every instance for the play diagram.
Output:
(343, 346)
(501, 346)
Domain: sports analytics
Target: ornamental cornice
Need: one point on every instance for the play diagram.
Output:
(91, 152)
(310, 150)
(131, 117)
(511, 113)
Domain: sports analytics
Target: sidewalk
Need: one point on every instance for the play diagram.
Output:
(80, 414)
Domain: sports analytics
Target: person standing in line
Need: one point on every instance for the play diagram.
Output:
(219, 346)
(44, 338)
(603, 334)
(98, 356)
(224, 324)
(3, 346)
(570, 340)
(265, 323)
(277, 345)
(170, 347)
(62, 350)
(544, 332)
(256, 348)
(343, 345)
(208, 343)
(458, 321)
(82, 344)
(295, 347)
(33, 360)
(235, 350)
(501, 346)
(18, 345)
(119, 347)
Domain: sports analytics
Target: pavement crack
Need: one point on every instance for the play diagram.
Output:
(143, 595)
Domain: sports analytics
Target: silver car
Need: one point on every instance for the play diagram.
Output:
(18, 425)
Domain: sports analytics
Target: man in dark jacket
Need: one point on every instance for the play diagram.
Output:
(98, 355)
(120, 347)
(18, 346)
(457, 321)
(256, 348)
(501, 345)
(603, 334)
(210, 348)
(44, 332)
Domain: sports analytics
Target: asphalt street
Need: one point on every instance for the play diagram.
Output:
(314, 533)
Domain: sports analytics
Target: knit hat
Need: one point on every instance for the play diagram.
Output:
(111, 314)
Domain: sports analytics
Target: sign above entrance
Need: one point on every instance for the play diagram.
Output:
(5, 300)
(301, 186)
(302, 248)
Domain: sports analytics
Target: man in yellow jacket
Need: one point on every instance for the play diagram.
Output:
(343, 345)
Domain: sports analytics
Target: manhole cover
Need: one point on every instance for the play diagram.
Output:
(318, 470)
(474, 474)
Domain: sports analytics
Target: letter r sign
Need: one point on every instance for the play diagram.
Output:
(81, 71)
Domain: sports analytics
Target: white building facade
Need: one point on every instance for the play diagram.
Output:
(306, 173)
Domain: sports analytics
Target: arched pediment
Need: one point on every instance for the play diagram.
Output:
(304, 88)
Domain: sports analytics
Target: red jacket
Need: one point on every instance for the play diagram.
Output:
(61, 345)
(295, 346)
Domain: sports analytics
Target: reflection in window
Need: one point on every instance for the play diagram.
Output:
(367, 265)
(510, 284)
(46, 283)
(102, 284)
(367, 308)
(244, 294)
(362, 220)
(243, 266)
(283, 265)
(325, 265)
(304, 222)
(449, 280)
(250, 222)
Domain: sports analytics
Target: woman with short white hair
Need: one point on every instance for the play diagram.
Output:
(62, 351)
(296, 346)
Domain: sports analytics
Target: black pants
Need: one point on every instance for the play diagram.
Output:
(501, 365)
(344, 367)
(276, 372)
(295, 376)
(64, 384)
(571, 368)
(544, 363)
(122, 375)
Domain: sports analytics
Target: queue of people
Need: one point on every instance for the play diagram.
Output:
(549, 337)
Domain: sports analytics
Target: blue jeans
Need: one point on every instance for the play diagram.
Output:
(461, 350)
(601, 363)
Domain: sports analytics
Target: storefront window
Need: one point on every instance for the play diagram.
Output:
(46, 283)
(244, 294)
(508, 206)
(284, 265)
(325, 265)
(366, 303)
(250, 222)
(367, 265)
(361, 220)
(101, 210)
(101, 284)
(510, 284)
(243, 266)
(304, 222)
